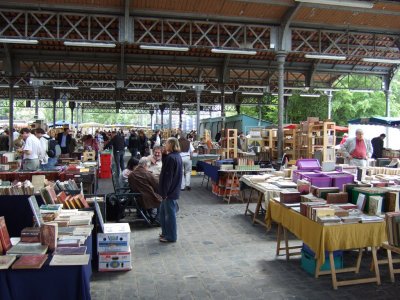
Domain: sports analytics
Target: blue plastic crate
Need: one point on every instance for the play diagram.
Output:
(309, 263)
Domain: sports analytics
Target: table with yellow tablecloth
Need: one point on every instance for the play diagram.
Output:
(321, 238)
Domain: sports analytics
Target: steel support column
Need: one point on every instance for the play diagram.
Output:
(36, 116)
(11, 118)
(280, 57)
(198, 99)
(330, 105)
(170, 117)
(180, 116)
(387, 96)
(56, 95)
(222, 108)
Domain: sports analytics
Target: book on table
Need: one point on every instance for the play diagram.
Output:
(6, 261)
(30, 261)
(36, 210)
(71, 250)
(28, 248)
(375, 205)
(5, 241)
(49, 235)
(70, 260)
(361, 201)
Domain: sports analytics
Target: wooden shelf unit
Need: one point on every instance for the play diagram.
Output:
(229, 143)
(321, 137)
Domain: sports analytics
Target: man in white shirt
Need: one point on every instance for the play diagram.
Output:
(32, 150)
(156, 162)
(44, 143)
(186, 155)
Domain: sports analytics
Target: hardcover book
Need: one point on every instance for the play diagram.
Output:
(71, 250)
(30, 262)
(36, 210)
(30, 235)
(70, 260)
(4, 236)
(375, 205)
(6, 261)
(28, 248)
(49, 234)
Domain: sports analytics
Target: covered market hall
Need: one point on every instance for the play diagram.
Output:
(253, 208)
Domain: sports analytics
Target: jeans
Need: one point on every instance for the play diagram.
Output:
(358, 162)
(30, 164)
(119, 161)
(134, 152)
(187, 171)
(51, 164)
(168, 210)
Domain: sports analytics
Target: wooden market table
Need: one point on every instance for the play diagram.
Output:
(330, 238)
(234, 175)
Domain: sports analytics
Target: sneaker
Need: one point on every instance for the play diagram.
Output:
(188, 188)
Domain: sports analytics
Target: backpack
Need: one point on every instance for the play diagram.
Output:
(54, 149)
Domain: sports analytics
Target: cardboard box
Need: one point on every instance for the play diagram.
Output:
(116, 238)
(115, 261)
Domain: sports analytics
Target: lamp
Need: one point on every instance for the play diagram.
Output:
(325, 56)
(381, 60)
(233, 51)
(173, 91)
(164, 48)
(18, 41)
(138, 90)
(346, 3)
(89, 44)
(102, 88)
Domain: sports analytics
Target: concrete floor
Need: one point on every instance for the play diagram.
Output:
(221, 255)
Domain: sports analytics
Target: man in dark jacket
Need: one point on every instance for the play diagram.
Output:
(142, 181)
(133, 143)
(377, 146)
(4, 140)
(64, 140)
(169, 189)
(117, 143)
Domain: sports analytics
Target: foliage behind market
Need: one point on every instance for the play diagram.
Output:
(346, 105)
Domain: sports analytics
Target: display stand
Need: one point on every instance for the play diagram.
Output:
(230, 143)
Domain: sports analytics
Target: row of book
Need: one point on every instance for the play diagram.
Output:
(70, 201)
(17, 188)
(393, 228)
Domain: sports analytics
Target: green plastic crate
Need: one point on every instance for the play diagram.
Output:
(309, 263)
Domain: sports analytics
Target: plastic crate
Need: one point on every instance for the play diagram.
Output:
(318, 179)
(105, 174)
(340, 179)
(309, 263)
(299, 174)
(308, 164)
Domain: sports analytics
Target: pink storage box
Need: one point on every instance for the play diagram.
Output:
(308, 164)
(298, 174)
(339, 179)
(318, 179)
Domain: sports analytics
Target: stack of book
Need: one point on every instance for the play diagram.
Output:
(393, 228)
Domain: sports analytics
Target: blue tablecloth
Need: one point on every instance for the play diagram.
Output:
(49, 282)
(63, 282)
(209, 170)
(17, 213)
